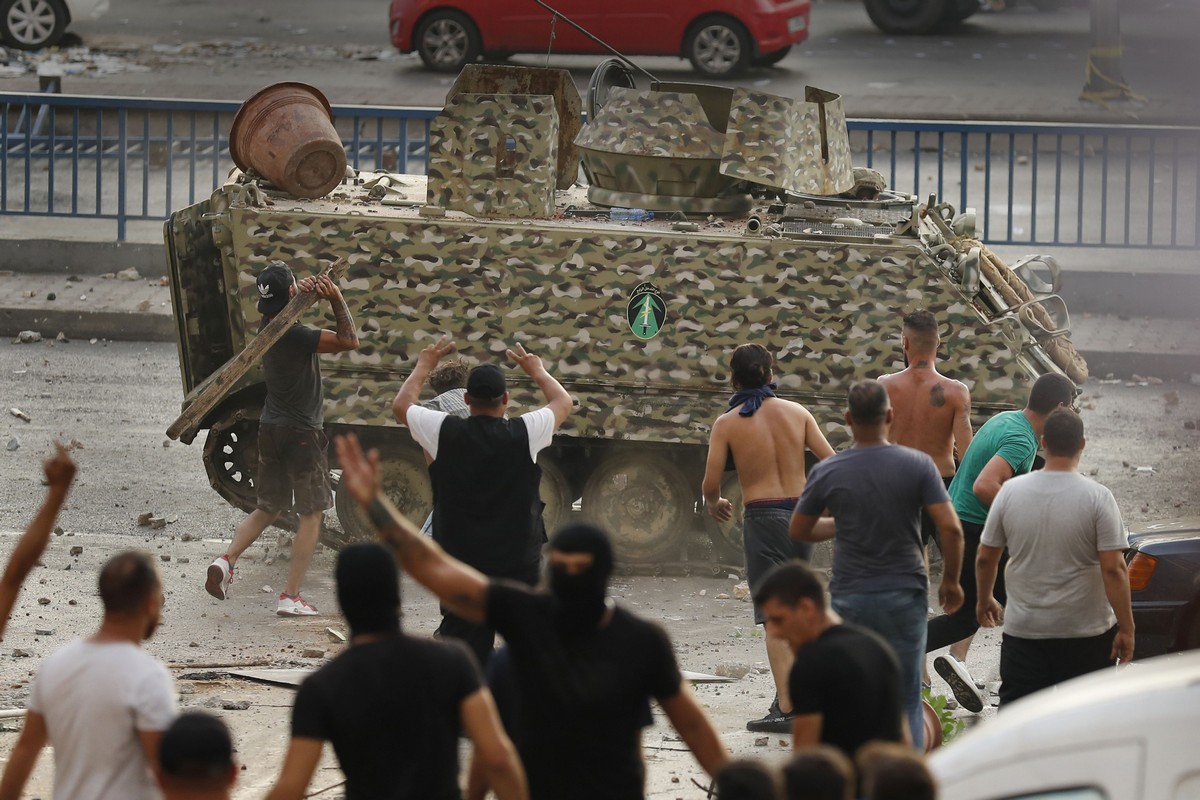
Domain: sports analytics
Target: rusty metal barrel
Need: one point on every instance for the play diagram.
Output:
(285, 133)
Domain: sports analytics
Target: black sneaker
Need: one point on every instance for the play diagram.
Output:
(774, 722)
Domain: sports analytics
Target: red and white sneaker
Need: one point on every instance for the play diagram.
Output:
(294, 607)
(220, 575)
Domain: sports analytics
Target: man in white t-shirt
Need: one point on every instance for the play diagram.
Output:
(486, 508)
(102, 703)
(1068, 609)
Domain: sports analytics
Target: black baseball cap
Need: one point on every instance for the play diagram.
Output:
(196, 746)
(273, 283)
(486, 382)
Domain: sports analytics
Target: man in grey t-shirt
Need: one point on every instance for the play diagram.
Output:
(1068, 607)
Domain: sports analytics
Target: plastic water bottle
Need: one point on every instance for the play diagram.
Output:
(630, 214)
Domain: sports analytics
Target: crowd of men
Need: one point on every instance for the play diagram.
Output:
(559, 711)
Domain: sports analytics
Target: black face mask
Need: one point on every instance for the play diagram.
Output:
(579, 600)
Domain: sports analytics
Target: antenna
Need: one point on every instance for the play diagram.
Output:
(595, 39)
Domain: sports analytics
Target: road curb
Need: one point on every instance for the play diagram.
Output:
(112, 325)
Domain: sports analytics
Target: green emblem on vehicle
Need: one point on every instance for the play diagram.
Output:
(646, 311)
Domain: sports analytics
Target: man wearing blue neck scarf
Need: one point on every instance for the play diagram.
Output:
(766, 439)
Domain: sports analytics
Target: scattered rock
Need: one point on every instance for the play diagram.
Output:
(703, 592)
(143, 306)
(722, 596)
(166, 442)
(186, 537)
(76, 550)
(157, 523)
(62, 337)
(130, 274)
(19, 414)
(171, 520)
(19, 653)
(72, 603)
(51, 296)
(312, 652)
(336, 635)
(1145, 470)
(164, 557)
(144, 519)
(43, 601)
(58, 530)
(42, 632)
(733, 576)
(267, 589)
(14, 443)
(108, 276)
(761, 741)
(184, 560)
(193, 644)
(736, 671)
(28, 337)
(742, 591)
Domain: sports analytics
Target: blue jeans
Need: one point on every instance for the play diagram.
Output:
(899, 617)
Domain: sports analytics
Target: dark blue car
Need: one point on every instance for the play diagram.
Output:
(1164, 576)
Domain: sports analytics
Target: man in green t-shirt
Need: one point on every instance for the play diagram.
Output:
(1004, 447)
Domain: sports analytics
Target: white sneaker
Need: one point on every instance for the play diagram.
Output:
(955, 674)
(220, 575)
(294, 607)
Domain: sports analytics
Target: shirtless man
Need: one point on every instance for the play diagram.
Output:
(766, 438)
(932, 413)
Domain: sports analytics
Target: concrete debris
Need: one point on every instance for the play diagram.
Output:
(130, 274)
(336, 635)
(157, 522)
(28, 337)
(42, 632)
(703, 592)
(722, 596)
(19, 653)
(76, 550)
(62, 337)
(266, 589)
(51, 296)
(93, 340)
(227, 705)
(144, 519)
(72, 602)
(13, 443)
(183, 560)
(43, 601)
(1145, 470)
(58, 530)
(164, 557)
(19, 414)
(762, 741)
(742, 591)
(73, 445)
(733, 576)
(733, 670)
(312, 652)
(171, 520)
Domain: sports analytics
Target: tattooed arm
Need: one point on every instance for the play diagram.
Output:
(345, 337)
(459, 587)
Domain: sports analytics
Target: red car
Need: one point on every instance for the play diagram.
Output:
(719, 37)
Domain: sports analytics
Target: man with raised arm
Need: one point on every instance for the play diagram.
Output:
(584, 667)
(60, 471)
(487, 511)
(766, 439)
(292, 469)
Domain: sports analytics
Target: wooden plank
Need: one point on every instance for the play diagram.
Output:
(216, 386)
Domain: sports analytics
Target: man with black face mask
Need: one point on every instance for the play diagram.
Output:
(584, 668)
(392, 705)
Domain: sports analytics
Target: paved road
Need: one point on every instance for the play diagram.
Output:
(1020, 64)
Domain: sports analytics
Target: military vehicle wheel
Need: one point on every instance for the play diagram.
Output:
(447, 40)
(726, 537)
(717, 47)
(555, 491)
(772, 58)
(32, 24)
(643, 501)
(231, 459)
(959, 10)
(906, 16)
(406, 484)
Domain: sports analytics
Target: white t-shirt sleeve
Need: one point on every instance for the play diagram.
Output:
(154, 700)
(425, 424)
(1110, 531)
(540, 426)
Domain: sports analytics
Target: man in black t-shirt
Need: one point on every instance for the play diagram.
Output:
(583, 667)
(846, 681)
(393, 705)
(292, 472)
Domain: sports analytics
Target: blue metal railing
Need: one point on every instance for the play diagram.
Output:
(126, 159)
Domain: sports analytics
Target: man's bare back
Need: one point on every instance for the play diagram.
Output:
(932, 413)
(768, 449)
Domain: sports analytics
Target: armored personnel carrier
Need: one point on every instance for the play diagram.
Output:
(761, 232)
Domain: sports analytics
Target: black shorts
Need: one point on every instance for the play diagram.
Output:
(928, 528)
(765, 542)
(292, 471)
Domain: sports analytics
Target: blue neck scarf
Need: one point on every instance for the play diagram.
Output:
(751, 399)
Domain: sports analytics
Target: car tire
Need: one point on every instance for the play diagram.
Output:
(32, 24)
(957, 11)
(906, 17)
(718, 47)
(446, 41)
(772, 58)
